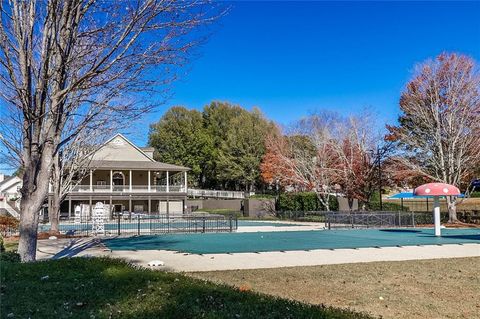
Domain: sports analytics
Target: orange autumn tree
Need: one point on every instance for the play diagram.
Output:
(439, 127)
(319, 153)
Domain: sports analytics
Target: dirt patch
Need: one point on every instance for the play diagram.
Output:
(441, 288)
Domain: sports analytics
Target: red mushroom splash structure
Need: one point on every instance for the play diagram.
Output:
(436, 190)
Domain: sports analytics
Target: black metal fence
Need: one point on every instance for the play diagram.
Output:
(369, 220)
(148, 225)
(374, 219)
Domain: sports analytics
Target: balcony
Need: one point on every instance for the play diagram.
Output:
(128, 189)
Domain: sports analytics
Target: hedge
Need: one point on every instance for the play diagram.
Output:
(303, 201)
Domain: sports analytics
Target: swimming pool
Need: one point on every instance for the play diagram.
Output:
(292, 240)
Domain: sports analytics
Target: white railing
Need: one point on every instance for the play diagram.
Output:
(215, 193)
(126, 189)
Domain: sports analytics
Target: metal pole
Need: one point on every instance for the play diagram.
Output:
(118, 224)
(138, 228)
(380, 178)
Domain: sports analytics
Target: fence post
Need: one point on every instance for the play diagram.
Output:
(399, 220)
(413, 219)
(118, 224)
(138, 225)
(203, 220)
(230, 220)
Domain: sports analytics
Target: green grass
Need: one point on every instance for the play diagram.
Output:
(108, 288)
(10, 245)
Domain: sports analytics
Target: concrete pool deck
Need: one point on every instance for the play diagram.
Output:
(175, 261)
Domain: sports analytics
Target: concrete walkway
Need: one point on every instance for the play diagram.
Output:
(174, 261)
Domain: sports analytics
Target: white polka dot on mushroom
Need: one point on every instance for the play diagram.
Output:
(427, 190)
(445, 190)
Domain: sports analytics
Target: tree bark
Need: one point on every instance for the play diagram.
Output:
(452, 210)
(33, 197)
(54, 213)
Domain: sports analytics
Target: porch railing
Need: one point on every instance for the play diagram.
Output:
(215, 193)
(126, 189)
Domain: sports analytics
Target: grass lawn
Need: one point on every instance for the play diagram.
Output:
(107, 288)
(442, 288)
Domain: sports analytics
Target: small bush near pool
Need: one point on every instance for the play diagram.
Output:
(107, 288)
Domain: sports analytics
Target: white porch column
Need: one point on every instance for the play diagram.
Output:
(186, 181)
(168, 183)
(91, 181)
(50, 186)
(130, 179)
(149, 186)
(111, 181)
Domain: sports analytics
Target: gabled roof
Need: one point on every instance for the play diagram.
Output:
(10, 182)
(126, 140)
(133, 160)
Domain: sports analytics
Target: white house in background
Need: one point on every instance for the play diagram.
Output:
(10, 195)
(128, 181)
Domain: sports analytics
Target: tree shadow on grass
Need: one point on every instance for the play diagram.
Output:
(107, 288)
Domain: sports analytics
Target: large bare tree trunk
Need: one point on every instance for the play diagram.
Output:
(452, 210)
(34, 192)
(54, 213)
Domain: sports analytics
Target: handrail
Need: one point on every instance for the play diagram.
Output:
(215, 193)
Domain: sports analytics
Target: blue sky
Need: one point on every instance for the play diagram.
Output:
(290, 58)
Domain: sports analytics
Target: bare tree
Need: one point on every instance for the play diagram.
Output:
(81, 59)
(303, 157)
(439, 129)
(355, 166)
(72, 164)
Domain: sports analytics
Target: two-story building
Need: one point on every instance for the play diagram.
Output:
(10, 195)
(127, 179)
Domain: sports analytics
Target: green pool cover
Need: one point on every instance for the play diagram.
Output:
(292, 240)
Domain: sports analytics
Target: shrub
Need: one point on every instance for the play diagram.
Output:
(475, 194)
(386, 206)
(10, 256)
(303, 201)
(8, 224)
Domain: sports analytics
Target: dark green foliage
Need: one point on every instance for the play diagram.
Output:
(180, 138)
(223, 145)
(106, 288)
(9, 256)
(389, 207)
(303, 201)
(374, 204)
(475, 194)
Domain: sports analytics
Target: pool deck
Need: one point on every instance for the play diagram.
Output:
(175, 261)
